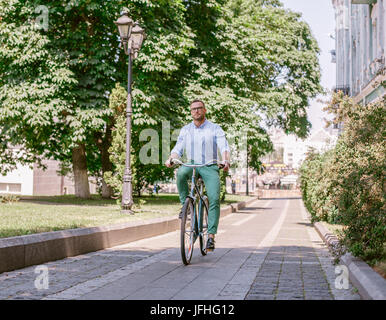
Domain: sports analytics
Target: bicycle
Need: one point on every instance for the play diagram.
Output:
(194, 220)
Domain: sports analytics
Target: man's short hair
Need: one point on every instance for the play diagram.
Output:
(198, 100)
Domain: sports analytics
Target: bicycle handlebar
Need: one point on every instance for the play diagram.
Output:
(221, 164)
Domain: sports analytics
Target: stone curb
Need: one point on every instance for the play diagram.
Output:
(23, 251)
(370, 285)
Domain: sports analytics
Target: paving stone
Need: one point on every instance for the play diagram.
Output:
(319, 297)
(262, 290)
(230, 290)
(265, 282)
(291, 296)
(282, 288)
(260, 297)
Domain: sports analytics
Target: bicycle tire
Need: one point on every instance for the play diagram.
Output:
(187, 231)
(204, 225)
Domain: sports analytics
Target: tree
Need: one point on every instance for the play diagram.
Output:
(34, 84)
(255, 65)
(73, 122)
(54, 80)
(143, 174)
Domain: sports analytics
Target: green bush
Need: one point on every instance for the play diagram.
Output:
(9, 198)
(223, 176)
(317, 187)
(143, 175)
(347, 184)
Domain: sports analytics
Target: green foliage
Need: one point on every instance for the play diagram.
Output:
(223, 176)
(34, 85)
(142, 174)
(253, 63)
(9, 198)
(347, 184)
(316, 186)
(55, 83)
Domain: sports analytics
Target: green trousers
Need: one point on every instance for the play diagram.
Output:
(210, 175)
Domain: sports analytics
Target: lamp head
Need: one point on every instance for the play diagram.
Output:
(136, 39)
(125, 25)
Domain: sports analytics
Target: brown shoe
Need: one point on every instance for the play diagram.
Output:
(210, 244)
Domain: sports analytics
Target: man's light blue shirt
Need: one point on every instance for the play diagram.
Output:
(201, 143)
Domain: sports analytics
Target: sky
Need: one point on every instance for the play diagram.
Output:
(319, 14)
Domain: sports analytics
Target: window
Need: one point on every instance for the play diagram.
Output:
(10, 187)
(14, 187)
(373, 32)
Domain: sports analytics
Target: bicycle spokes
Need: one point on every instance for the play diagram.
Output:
(187, 231)
(203, 216)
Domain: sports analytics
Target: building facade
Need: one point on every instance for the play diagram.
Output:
(34, 181)
(284, 162)
(359, 55)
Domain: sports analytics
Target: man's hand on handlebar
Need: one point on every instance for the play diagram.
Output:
(225, 165)
(171, 162)
(168, 163)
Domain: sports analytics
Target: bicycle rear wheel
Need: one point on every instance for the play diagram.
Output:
(187, 231)
(203, 226)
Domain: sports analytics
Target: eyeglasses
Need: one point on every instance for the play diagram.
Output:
(196, 109)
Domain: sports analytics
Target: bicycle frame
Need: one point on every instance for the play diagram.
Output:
(198, 196)
(197, 218)
(197, 226)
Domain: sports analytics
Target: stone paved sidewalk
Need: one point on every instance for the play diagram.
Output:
(266, 251)
(65, 273)
(298, 266)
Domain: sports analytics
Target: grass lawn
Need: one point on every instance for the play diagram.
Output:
(336, 229)
(42, 214)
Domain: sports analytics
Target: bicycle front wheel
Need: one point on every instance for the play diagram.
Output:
(203, 225)
(187, 231)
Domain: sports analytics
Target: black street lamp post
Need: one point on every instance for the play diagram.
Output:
(132, 36)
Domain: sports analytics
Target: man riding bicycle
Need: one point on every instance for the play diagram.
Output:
(201, 139)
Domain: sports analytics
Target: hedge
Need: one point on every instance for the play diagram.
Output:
(346, 185)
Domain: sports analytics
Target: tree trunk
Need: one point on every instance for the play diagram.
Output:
(79, 164)
(107, 191)
(223, 179)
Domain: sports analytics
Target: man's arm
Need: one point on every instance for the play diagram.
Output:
(227, 158)
(222, 144)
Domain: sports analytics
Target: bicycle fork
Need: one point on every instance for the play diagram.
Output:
(197, 225)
